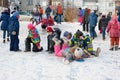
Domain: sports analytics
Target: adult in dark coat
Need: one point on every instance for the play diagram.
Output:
(5, 21)
(14, 32)
(48, 11)
(102, 25)
(85, 20)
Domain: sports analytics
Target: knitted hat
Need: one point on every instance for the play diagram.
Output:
(66, 33)
(49, 29)
(16, 13)
(30, 26)
(79, 33)
(5, 9)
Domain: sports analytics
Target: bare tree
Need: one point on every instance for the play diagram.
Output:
(4, 3)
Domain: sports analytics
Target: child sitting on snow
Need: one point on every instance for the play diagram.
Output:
(52, 33)
(58, 49)
(33, 37)
(81, 47)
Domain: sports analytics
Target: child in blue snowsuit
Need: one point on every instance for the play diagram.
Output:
(14, 32)
(5, 15)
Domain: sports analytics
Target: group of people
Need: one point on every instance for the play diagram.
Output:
(106, 24)
(37, 14)
(71, 46)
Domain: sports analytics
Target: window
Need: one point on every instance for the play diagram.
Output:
(30, 2)
(111, 4)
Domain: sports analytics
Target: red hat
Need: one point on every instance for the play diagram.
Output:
(49, 29)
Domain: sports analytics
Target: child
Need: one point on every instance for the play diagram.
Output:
(84, 42)
(113, 29)
(14, 31)
(50, 21)
(57, 47)
(44, 23)
(102, 25)
(33, 37)
(52, 33)
(4, 25)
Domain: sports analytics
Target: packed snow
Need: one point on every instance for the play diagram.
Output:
(45, 66)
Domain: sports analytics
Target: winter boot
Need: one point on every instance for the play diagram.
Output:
(8, 39)
(111, 49)
(4, 41)
(116, 48)
(98, 51)
(41, 49)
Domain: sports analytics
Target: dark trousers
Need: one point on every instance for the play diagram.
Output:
(85, 26)
(92, 31)
(28, 45)
(103, 32)
(51, 43)
(4, 33)
(14, 43)
(59, 18)
(40, 19)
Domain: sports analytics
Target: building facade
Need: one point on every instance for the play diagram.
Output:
(101, 5)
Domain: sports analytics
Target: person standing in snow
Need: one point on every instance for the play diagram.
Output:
(34, 38)
(92, 22)
(59, 13)
(102, 25)
(14, 31)
(80, 15)
(85, 20)
(5, 15)
(52, 33)
(113, 29)
(48, 11)
(40, 9)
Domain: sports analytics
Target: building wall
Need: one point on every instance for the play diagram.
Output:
(107, 5)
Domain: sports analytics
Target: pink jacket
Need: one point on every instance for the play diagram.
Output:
(114, 28)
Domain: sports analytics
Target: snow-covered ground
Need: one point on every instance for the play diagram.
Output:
(44, 66)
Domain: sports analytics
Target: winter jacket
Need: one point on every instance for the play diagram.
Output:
(48, 10)
(85, 16)
(14, 25)
(34, 35)
(80, 13)
(40, 11)
(55, 34)
(119, 15)
(59, 10)
(113, 27)
(86, 43)
(93, 19)
(5, 20)
(103, 22)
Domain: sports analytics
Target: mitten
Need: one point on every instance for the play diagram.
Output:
(13, 33)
